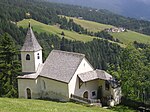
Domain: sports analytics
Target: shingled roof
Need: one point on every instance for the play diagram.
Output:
(61, 65)
(96, 74)
(31, 44)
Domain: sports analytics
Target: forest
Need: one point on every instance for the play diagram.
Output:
(130, 65)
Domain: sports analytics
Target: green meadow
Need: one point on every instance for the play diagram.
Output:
(26, 105)
(71, 35)
(125, 37)
(90, 25)
(40, 27)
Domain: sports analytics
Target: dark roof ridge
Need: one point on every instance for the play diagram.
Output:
(67, 52)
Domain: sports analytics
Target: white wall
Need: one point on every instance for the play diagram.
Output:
(88, 86)
(54, 89)
(83, 67)
(32, 64)
(38, 61)
(23, 84)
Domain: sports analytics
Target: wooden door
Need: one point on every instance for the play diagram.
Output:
(28, 93)
(85, 95)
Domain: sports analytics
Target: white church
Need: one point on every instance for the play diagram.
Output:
(63, 75)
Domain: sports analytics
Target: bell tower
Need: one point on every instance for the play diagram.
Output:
(31, 53)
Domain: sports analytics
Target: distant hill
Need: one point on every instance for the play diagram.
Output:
(51, 29)
(125, 37)
(131, 8)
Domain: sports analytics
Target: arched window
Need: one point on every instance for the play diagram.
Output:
(85, 95)
(27, 57)
(38, 56)
(28, 93)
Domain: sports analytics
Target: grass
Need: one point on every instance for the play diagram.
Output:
(131, 36)
(24, 105)
(125, 37)
(40, 27)
(121, 108)
(90, 25)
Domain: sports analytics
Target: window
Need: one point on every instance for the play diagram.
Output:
(27, 57)
(106, 85)
(93, 93)
(38, 56)
(85, 94)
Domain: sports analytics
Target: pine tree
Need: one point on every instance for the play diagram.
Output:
(9, 67)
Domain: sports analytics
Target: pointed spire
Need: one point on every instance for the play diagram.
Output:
(31, 43)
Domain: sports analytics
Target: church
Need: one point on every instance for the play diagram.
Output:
(63, 75)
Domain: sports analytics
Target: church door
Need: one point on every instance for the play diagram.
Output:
(85, 95)
(28, 93)
(99, 93)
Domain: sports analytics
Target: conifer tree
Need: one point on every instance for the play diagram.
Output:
(9, 67)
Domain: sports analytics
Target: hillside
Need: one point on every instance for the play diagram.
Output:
(90, 25)
(40, 27)
(24, 105)
(131, 36)
(123, 7)
(53, 29)
(125, 37)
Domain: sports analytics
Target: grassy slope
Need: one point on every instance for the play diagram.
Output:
(125, 37)
(40, 27)
(24, 105)
(130, 36)
(90, 25)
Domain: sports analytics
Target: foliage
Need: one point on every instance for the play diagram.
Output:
(49, 29)
(130, 65)
(121, 108)
(15, 10)
(133, 71)
(101, 51)
(9, 67)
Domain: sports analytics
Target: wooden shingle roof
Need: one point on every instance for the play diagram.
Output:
(61, 65)
(31, 43)
(96, 74)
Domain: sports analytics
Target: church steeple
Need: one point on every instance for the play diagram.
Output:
(31, 43)
(31, 52)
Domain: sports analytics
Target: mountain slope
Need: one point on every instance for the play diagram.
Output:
(50, 29)
(131, 8)
(125, 37)
(90, 25)
(40, 27)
